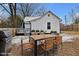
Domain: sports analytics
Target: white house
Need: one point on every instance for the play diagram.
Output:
(48, 22)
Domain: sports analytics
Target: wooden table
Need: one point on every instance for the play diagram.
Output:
(38, 38)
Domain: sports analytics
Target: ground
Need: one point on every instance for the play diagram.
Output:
(70, 48)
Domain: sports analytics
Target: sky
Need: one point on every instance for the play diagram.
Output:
(61, 9)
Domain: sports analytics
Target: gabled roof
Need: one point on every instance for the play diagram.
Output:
(32, 18)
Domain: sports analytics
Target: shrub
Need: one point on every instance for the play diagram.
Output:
(37, 30)
(33, 30)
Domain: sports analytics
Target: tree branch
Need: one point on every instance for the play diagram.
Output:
(5, 8)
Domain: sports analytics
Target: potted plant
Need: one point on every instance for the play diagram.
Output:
(53, 31)
(33, 32)
(37, 32)
(41, 32)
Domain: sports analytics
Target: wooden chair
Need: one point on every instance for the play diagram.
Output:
(57, 44)
(58, 41)
(47, 45)
(21, 49)
(28, 48)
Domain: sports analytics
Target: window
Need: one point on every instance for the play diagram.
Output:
(48, 25)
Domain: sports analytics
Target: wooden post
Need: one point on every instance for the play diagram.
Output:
(13, 32)
(21, 47)
(35, 48)
(30, 31)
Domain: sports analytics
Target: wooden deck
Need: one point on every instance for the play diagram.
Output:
(16, 50)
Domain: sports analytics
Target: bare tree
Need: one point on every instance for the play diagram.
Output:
(40, 11)
(30, 9)
(72, 18)
(66, 22)
(11, 10)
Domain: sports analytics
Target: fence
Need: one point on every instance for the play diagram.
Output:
(73, 27)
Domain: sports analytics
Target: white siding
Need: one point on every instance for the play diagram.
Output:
(42, 23)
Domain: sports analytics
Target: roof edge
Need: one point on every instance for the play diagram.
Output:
(44, 15)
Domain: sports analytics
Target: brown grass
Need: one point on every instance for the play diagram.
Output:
(16, 50)
(69, 48)
(71, 32)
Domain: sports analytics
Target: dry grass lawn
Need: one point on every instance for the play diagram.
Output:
(70, 32)
(69, 48)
